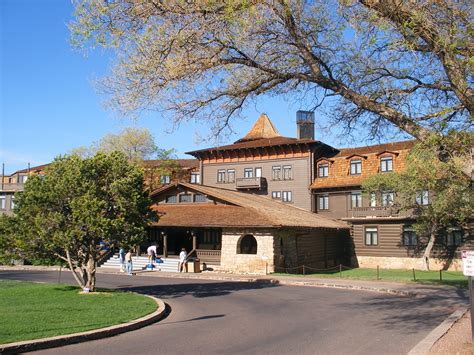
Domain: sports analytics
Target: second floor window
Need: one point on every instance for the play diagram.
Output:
(287, 172)
(195, 178)
(23, 178)
(3, 202)
(409, 237)
(454, 237)
(276, 195)
(276, 172)
(356, 199)
(286, 196)
(248, 173)
(323, 202)
(231, 175)
(387, 199)
(356, 167)
(221, 176)
(386, 164)
(323, 170)
(12, 202)
(165, 179)
(373, 199)
(422, 197)
(371, 236)
(258, 172)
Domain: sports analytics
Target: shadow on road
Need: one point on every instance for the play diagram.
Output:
(201, 290)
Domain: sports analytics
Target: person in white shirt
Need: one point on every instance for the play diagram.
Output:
(151, 251)
(182, 260)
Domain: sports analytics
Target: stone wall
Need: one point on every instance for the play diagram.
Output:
(260, 263)
(405, 263)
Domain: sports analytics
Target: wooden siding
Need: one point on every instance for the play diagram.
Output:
(298, 185)
(319, 249)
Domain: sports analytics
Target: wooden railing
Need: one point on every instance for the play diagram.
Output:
(209, 256)
(12, 187)
(375, 212)
(250, 183)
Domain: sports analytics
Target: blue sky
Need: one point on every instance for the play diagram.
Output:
(48, 104)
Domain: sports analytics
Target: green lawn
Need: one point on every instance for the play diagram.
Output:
(31, 310)
(452, 278)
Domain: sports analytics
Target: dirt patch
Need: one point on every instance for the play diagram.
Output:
(457, 340)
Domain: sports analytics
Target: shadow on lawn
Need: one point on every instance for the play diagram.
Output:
(198, 290)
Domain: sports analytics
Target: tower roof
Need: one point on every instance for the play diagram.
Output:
(262, 128)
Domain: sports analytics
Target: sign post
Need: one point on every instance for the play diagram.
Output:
(468, 270)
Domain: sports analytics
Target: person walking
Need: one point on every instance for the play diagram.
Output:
(182, 260)
(128, 260)
(122, 259)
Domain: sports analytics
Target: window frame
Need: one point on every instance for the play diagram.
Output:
(167, 199)
(325, 202)
(195, 178)
(409, 234)
(358, 199)
(221, 176)
(373, 199)
(384, 165)
(180, 196)
(450, 237)
(287, 169)
(258, 175)
(276, 195)
(231, 172)
(165, 179)
(324, 167)
(357, 163)
(287, 196)
(388, 193)
(375, 230)
(275, 169)
(422, 197)
(195, 198)
(3, 202)
(248, 173)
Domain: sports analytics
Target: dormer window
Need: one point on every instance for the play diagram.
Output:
(356, 167)
(386, 164)
(323, 170)
(165, 179)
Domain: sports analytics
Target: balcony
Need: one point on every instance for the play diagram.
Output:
(8, 187)
(373, 212)
(250, 183)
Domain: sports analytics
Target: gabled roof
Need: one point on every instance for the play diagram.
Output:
(261, 211)
(183, 163)
(391, 147)
(262, 128)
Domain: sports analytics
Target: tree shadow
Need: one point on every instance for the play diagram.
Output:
(200, 290)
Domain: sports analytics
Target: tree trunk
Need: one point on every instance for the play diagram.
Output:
(79, 280)
(429, 247)
(90, 271)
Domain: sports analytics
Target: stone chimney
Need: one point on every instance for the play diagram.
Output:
(305, 125)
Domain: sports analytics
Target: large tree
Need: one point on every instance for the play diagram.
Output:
(384, 63)
(78, 204)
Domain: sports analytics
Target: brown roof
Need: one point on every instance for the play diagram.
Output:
(208, 215)
(33, 168)
(263, 128)
(378, 148)
(183, 163)
(260, 210)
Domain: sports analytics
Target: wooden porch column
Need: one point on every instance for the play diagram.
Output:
(165, 245)
(194, 241)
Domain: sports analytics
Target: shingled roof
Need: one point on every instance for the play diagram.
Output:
(262, 128)
(249, 210)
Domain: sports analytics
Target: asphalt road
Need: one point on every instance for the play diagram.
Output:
(214, 317)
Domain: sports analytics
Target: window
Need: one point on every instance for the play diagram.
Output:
(287, 196)
(386, 164)
(356, 167)
(200, 198)
(195, 178)
(248, 173)
(165, 179)
(454, 237)
(409, 236)
(12, 202)
(276, 194)
(356, 199)
(422, 197)
(221, 176)
(373, 199)
(247, 245)
(185, 198)
(287, 172)
(276, 172)
(23, 178)
(171, 199)
(323, 170)
(387, 199)
(258, 172)
(323, 202)
(231, 175)
(3, 202)
(371, 236)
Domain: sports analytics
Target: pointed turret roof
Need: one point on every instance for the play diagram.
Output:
(262, 128)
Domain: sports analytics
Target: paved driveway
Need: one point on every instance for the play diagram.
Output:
(241, 317)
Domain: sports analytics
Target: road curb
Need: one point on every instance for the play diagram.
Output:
(52, 342)
(424, 346)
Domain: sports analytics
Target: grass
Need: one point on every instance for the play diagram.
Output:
(31, 310)
(451, 278)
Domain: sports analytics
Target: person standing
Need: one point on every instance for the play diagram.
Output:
(128, 260)
(151, 251)
(182, 260)
(122, 259)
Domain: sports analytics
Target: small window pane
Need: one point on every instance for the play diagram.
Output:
(276, 194)
(171, 199)
(276, 172)
(3, 202)
(200, 198)
(356, 199)
(386, 164)
(387, 199)
(422, 197)
(287, 196)
(258, 172)
(248, 173)
(231, 175)
(165, 179)
(373, 199)
(371, 236)
(323, 170)
(356, 167)
(185, 198)
(195, 178)
(409, 237)
(221, 176)
(324, 202)
(287, 172)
